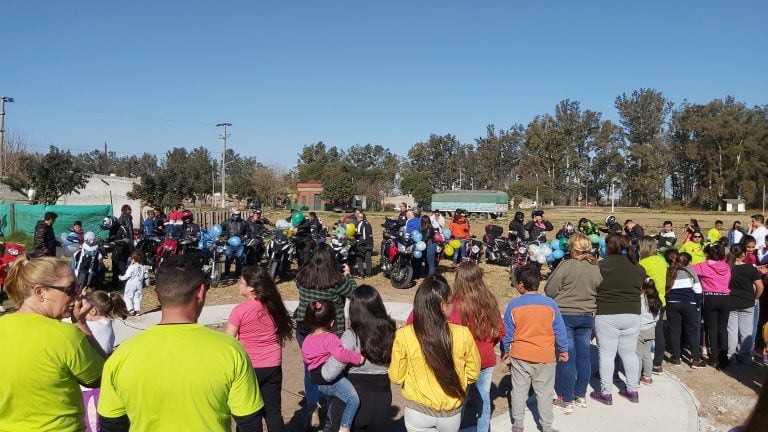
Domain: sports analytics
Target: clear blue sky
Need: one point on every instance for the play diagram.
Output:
(147, 76)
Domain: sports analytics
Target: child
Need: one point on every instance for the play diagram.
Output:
(99, 320)
(650, 306)
(535, 332)
(320, 345)
(87, 263)
(135, 274)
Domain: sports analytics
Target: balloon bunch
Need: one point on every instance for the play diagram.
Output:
(542, 253)
(68, 246)
(559, 248)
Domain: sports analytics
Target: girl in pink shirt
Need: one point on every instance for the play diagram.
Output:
(318, 347)
(263, 325)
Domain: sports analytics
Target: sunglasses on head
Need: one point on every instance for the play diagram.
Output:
(70, 290)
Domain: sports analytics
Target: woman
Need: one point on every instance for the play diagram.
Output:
(44, 359)
(459, 227)
(695, 247)
(715, 276)
(617, 320)
(655, 267)
(573, 286)
(683, 295)
(371, 333)
(320, 279)
(263, 326)
(434, 361)
(746, 287)
(475, 306)
(428, 237)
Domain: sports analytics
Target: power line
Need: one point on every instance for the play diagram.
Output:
(120, 115)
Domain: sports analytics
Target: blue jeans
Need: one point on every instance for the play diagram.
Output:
(345, 392)
(311, 392)
(462, 252)
(482, 388)
(430, 253)
(238, 257)
(573, 376)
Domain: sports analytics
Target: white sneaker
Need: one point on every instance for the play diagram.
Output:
(2, 309)
(580, 402)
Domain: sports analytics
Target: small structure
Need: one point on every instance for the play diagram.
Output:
(309, 195)
(735, 205)
(102, 189)
(393, 202)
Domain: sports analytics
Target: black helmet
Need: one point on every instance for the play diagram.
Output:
(519, 216)
(108, 222)
(610, 220)
(537, 212)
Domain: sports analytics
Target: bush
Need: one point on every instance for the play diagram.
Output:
(20, 238)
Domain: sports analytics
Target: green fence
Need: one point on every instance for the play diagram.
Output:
(19, 217)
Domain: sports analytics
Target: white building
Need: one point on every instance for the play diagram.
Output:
(102, 189)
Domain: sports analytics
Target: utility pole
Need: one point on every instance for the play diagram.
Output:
(3, 100)
(224, 137)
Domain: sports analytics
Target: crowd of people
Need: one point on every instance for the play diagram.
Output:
(695, 302)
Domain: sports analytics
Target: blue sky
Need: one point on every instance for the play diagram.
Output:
(147, 76)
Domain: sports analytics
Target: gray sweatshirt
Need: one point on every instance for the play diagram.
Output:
(332, 368)
(573, 286)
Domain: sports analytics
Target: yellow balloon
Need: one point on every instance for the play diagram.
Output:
(289, 233)
(448, 250)
(455, 244)
(351, 230)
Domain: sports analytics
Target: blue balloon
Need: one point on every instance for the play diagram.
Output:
(417, 254)
(446, 233)
(234, 241)
(601, 242)
(558, 253)
(555, 244)
(417, 236)
(215, 230)
(551, 257)
(602, 252)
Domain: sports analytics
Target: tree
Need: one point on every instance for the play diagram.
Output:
(50, 176)
(338, 184)
(418, 184)
(497, 157)
(313, 160)
(440, 158)
(270, 184)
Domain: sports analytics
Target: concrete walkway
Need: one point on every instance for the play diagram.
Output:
(665, 406)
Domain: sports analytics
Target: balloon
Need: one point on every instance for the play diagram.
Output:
(550, 258)
(340, 232)
(455, 244)
(601, 242)
(297, 218)
(417, 254)
(234, 241)
(541, 259)
(446, 233)
(215, 230)
(602, 252)
(594, 238)
(448, 250)
(417, 236)
(420, 246)
(533, 249)
(564, 243)
(558, 254)
(351, 230)
(555, 244)
(545, 249)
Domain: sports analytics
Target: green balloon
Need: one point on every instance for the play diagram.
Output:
(564, 243)
(594, 238)
(297, 218)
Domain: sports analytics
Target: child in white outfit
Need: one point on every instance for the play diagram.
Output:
(135, 275)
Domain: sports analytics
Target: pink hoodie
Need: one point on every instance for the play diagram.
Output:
(714, 275)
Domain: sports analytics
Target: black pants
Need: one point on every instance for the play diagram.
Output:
(271, 385)
(683, 318)
(363, 260)
(375, 402)
(658, 355)
(717, 308)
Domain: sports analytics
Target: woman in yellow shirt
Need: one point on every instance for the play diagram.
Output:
(695, 247)
(434, 361)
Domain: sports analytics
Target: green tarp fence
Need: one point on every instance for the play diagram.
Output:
(20, 217)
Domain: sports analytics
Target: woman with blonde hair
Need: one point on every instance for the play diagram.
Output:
(44, 359)
(573, 286)
(475, 306)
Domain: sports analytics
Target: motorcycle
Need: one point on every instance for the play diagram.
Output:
(396, 255)
(474, 249)
(254, 250)
(211, 251)
(148, 246)
(342, 251)
(280, 251)
(500, 250)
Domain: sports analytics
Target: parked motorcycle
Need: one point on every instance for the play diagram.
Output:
(474, 249)
(211, 255)
(396, 255)
(342, 251)
(281, 251)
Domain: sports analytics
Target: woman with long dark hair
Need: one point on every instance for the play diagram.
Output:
(263, 326)
(428, 254)
(371, 333)
(683, 293)
(746, 287)
(434, 361)
(715, 276)
(694, 246)
(321, 279)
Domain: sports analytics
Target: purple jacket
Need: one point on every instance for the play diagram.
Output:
(714, 275)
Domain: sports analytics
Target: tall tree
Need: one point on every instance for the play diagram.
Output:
(440, 158)
(419, 185)
(497, 157)
(50, 176)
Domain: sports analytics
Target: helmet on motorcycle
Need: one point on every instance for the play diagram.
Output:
(108, 222)
(610, 220)
(568, 228)
(89, 237)
(236, 213)
(519, 216)
(186, 216)
(537, 212)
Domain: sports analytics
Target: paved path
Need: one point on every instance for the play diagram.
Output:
(665, 406)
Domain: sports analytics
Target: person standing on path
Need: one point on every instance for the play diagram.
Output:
(715, 276)
(656, 268)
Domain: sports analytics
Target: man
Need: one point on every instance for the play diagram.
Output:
(149, 224)
(234, 226)
(403, 216)
(666, 238)
(315, 227)
(180, 375)
(517, 227)
(758, 230)
(611, 226)
(45, 239)
(76, 234)
(587, 227)
(437, 220)
(412, 223)
(538, 227)
(257, 227)
(735, 233)
(190, 232)
(715, 233)
(364, 245)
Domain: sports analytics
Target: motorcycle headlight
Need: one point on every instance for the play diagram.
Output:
(522, 250)
(409, 249)
(401, 248)
(475, 249)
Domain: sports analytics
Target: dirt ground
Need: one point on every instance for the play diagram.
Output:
(725, 397)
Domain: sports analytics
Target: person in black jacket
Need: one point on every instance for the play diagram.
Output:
(517, 227)
(257, 227)
(45, 239)
(538, 227)
(364, 245)
(234, 226)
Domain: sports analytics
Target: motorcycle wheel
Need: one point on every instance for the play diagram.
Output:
(217, 267)
(401, 276)
(272, 269)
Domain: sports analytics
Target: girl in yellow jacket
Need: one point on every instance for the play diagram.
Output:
(434, 361)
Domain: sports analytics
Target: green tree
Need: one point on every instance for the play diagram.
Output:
(497, 157)
(440, 157)
(419, 185)
(338, 184)
(51, 175)
(313, 160)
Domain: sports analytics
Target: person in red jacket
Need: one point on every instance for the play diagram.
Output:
(9, 252)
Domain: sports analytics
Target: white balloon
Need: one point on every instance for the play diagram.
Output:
(420, 246)
(541, 259)
(533, 249)
(546, 250)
